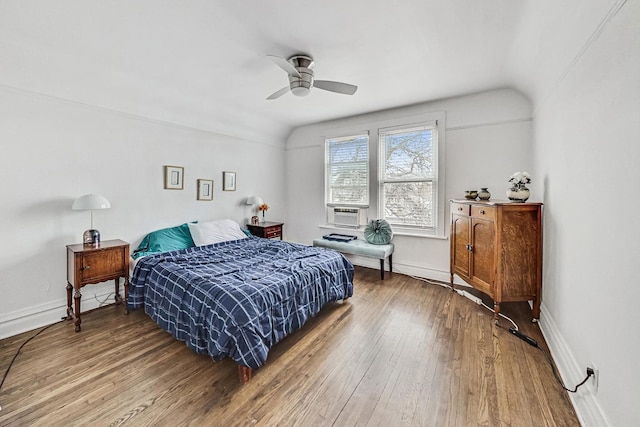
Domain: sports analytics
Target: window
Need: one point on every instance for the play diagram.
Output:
(347, 174)
(408, 176)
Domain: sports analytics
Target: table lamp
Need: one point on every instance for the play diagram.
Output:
(91, 202)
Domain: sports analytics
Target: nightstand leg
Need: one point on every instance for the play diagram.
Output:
(126, 295)
(117, 297)
(76, 299)
(69, 309)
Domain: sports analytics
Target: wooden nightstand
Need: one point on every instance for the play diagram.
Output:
(268, 230)
(95, 264)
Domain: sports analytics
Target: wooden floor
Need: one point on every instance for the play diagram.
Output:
(400, 352)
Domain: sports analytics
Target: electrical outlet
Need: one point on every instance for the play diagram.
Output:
(595, 378)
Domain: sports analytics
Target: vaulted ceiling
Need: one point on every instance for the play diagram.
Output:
(203, 63)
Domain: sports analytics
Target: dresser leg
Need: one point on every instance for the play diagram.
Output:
(76, 297)
(536, 310)
(496, 311)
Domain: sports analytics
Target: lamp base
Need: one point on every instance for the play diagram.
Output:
(91, 237)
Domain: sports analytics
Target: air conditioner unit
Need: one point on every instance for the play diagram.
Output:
(347, 216)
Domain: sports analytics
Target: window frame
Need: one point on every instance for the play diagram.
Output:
(433, 178)
(348, 135)
(371, 127)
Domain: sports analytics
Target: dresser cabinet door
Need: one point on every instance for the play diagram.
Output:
(460, 255)
(483, 254)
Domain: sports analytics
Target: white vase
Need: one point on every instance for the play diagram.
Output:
(518, 193)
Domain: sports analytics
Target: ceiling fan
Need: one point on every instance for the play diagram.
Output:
(300, 71)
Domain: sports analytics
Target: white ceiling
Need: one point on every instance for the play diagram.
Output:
(203, 64)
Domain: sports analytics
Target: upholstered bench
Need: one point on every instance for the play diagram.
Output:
(361, 247)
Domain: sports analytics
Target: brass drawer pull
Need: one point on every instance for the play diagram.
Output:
(482, 212)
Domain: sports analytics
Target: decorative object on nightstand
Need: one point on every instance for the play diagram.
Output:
(519, 191)
(91, 202)
(96, 264)
(268, 230)
(254, 201)
(484, 194)
(263, 208)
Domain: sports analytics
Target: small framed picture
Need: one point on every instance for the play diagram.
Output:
(229, 181)
(173, 178)
(205, 189)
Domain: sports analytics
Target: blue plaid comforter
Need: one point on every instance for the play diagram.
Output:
(238, 298)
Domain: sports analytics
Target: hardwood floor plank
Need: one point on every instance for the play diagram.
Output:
(399, 352)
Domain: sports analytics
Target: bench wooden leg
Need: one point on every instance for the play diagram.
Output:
(381, 268)
(391, 263)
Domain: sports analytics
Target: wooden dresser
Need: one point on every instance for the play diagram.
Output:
(496, 247)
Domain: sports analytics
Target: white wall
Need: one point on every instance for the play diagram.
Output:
(587, 154)
(488, 137)
(54, 151)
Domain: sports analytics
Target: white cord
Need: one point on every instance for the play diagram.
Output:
(467, 295)
(433, 282)
(103, 301)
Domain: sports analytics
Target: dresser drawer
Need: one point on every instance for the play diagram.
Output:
(460, 209)
(484, 212)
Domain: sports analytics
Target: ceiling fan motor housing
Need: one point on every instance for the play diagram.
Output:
(301, 86)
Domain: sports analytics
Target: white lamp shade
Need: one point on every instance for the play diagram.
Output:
(255, 200)
(90, 202)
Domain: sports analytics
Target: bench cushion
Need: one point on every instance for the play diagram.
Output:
(357, 247)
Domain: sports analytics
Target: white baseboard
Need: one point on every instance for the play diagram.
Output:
(37, 316)
(408, 269)
(585, 400)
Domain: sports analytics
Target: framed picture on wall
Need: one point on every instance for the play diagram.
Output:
(205, 189)
(173, 178)
(229, 181)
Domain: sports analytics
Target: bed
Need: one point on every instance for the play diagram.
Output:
(238, 296)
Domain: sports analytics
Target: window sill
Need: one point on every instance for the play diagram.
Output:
(360, 230)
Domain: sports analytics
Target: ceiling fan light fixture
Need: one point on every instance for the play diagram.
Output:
(300, 91)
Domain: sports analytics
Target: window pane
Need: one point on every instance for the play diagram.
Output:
(409, 203)
(348, 170)
(409, 155)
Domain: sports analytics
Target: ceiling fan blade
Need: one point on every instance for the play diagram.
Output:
(338, 87)
(285, 65)
(279, 93)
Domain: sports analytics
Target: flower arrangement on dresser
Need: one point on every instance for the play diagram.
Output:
(519, 191)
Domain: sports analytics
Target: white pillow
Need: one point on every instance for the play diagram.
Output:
(207, 233)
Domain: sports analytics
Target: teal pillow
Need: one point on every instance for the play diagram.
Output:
(378, 232)
(165, 240)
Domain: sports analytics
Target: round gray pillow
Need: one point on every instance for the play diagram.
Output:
(378, 232)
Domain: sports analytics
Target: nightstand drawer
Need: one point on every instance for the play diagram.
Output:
(273, 232)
